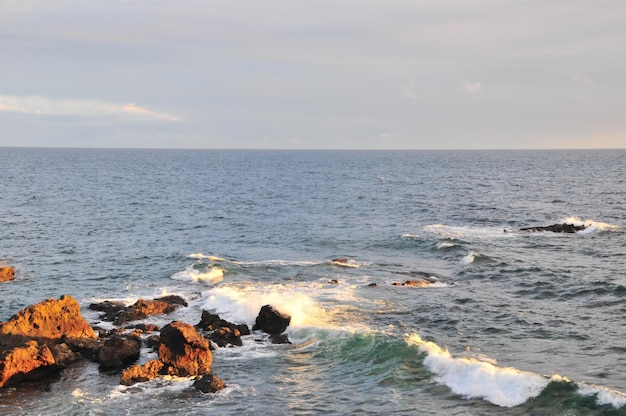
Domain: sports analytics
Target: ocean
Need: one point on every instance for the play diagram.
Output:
(510, 323)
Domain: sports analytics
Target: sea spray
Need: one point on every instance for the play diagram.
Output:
(471, 378)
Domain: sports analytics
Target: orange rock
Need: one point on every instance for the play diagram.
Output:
(139, 373)
(6, 273)
(47, 321)
(25, 362)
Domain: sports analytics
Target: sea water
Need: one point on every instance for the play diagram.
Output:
(511, 322)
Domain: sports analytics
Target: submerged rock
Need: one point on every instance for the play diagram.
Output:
(416, 283)
(271, 321)
(557, 228)
(7, 273)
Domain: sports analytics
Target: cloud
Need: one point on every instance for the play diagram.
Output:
(41, 105)
(472, 86)
(583, 79)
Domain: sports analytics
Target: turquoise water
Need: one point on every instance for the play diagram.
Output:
(514, 323)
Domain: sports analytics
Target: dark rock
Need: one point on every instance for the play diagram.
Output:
(373, 285)
(209, 383)
(333, 281)
(119, 352)
(557, 228)
(271, 321)
(279, 339)
(147, 327)
(7, 273)
(173, 300)
(224, 336)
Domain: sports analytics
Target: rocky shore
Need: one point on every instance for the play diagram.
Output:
(45, 338)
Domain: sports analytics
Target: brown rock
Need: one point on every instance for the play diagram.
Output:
(138, 373)
(7, 273)
(417, 283)
(119, 314)
(183, 352)
(224, 336)
(26, 362)
(50, 321)
(209, 383)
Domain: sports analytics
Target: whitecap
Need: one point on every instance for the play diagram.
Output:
(471, 378)
(190, 274)
(469, 259)
(603, 395)
(200, 256)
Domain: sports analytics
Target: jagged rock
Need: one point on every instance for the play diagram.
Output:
(7, 273)
(139, 373)
(49, 321)
(147, 327)
(224, 336)
(271, 321)
(224, 332)
(119, 314)
(43, 338)
(30, 361)
(209, 383)
(118, 352)
(557, 228)
(279, 339)
(183, 352)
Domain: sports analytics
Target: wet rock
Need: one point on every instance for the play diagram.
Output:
(279, 339)
(119, 352)
(119, 314)
(209, 383)
(30, 361)
(557, 228)
(333, 281)
(223, 332)
(183, 352)
(147, 328)
(372, 285)
(7, 273)
(271, 321)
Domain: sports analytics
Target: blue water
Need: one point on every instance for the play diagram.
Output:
(512, 323)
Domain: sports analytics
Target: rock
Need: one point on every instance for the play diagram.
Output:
(271, 321)
(119, 352)
(417, 283)
(224, 332)
(119, 314)
(333, 281)
(557, 228)
(183, 352)
(279, 339)
(226, 336)
(148, 327)
(209, 383)
(340, 260)
(50, 321)
(30, 361)
(7, 273)
(372, 285)
(43, 338)
(139, 373)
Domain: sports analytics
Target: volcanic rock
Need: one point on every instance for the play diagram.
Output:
(271, 321)
(7, 273)
(50, 321)
(183, 352)
(118, 352)
(557, 228)
(209, 383)
(119, 314)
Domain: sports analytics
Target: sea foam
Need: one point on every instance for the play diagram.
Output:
(190, 274)
(471, 378)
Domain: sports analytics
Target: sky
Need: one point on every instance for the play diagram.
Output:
(288, 74)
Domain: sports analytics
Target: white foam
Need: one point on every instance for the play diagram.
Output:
(590, 224)
(190, 274)
(200, 256)
(238, 304)
(604, 395)
(471, 378)
(469, 259)
(458, 232)
(445, 245)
